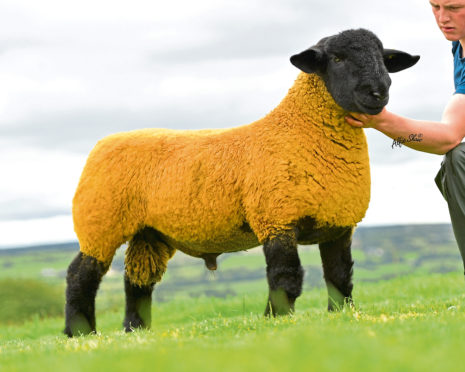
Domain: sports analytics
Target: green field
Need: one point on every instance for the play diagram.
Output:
(409, 313)
(404, 324)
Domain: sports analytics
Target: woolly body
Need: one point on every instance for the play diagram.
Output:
(300, 175)
(202, 190)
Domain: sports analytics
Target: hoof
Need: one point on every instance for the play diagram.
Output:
(133, 324)
(279, 303)
(336, 299)
(78, 326)
(138, 320)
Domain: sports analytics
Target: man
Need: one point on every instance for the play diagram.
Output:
(438, 137)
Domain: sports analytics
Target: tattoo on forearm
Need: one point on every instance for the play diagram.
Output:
(399, 141)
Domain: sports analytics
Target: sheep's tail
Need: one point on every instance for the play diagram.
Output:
(147, 257)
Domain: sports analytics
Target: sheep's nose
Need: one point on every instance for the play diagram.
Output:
(378, 95)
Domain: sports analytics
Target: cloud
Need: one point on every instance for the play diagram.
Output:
(17, 233)
(30, 208)
(79, 130)
(74, 73)
(7, 45)
(404, 193)
(36, 182)
(92, 73)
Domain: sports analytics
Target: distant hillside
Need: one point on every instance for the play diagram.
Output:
(410, 237)
(405, 237)
(71, 246)
(405, 249)
(380, 253)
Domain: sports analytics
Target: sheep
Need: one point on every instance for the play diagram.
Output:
(300, 175)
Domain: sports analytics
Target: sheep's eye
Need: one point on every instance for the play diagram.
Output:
(337, 59)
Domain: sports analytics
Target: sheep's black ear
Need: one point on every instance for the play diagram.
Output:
(310, 61)
(395, 60)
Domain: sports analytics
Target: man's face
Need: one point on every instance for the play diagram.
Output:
(450, 17)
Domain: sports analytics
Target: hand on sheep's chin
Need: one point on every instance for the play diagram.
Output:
(359, 120)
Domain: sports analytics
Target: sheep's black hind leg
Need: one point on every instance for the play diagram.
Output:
(138, 305)
(338, 269)
(146, 260)
(284, 273)
(83, 279)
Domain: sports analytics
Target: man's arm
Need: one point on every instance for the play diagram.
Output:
(437, 137)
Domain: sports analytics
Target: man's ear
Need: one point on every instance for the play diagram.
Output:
(312, 60)
(395, 60)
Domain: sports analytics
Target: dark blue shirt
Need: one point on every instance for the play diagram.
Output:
(459, 67)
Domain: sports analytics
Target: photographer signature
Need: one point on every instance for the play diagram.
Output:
(399, 141)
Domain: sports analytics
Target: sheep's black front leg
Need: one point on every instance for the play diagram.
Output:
(284, 273)
(138, 305)
(338, 269)
(83, 279)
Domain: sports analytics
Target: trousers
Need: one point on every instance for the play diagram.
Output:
(451, 182)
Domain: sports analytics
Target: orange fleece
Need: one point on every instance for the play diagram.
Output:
(199, 188)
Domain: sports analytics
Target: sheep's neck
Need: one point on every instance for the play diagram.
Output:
(309, 106)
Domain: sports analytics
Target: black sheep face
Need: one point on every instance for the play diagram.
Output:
(355, 68)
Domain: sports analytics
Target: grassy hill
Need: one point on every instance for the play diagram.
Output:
(409, 312)
(379, 252)
(412, 323)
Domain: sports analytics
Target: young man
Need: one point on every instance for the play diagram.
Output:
(443, 137)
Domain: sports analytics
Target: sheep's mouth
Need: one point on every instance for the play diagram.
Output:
(371, 108)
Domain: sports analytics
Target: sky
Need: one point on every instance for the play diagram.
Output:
(74, 72)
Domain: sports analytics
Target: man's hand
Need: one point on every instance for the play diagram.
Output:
(437, 137)
(359, 120)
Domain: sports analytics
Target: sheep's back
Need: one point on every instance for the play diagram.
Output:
(182, 183)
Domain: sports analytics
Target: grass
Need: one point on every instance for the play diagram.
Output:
(26, 298)
(410, 323)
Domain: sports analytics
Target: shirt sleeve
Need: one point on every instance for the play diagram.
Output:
(460, 83)
(459, 70)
